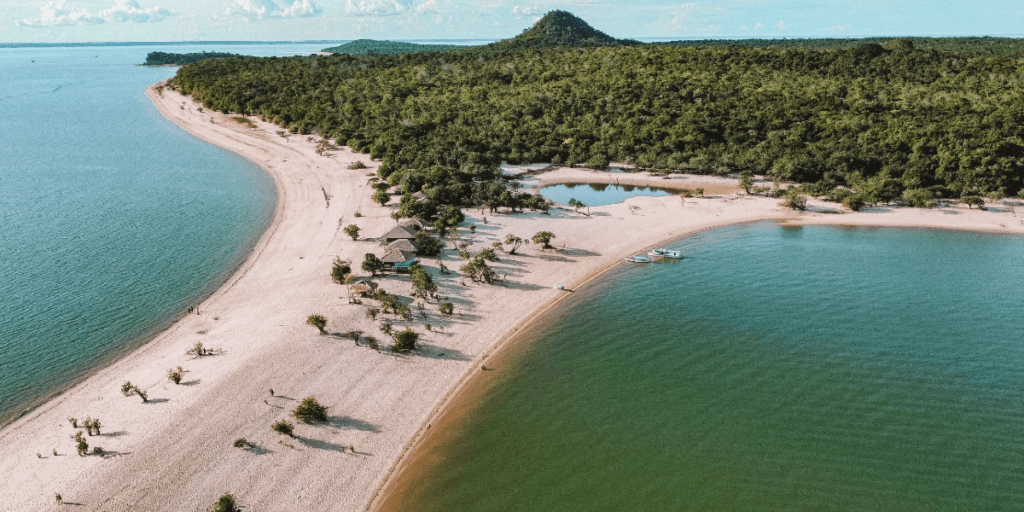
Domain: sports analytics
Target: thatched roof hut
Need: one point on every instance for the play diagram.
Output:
(413, 224)
(397, 233)
(403, 245)
(362, 285)
(397, 256)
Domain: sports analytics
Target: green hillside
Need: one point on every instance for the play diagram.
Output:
(370, 46)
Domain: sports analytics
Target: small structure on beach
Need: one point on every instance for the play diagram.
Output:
(398, 259)
(403, 245)
(413, 224)
(362, 286)
(397, 233)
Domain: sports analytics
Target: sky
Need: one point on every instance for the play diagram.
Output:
(294, 20)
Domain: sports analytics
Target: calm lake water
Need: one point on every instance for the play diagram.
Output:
(112, 220)
(773, 369)
(599, 194)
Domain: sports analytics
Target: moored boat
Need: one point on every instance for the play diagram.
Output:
(665, 253)
(638, 259)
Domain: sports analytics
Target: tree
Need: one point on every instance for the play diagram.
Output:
(543, 238)
(310, 411)
(854, 202)
(340, 270)
(487, 254)
(353, 231)
(422, 283)
(381, 196)
(81, 444)
(317, 321)
(919, 197)
(794, 199)
(479, 271)
(405, 340)
(700, 191)
(451, 217)
(175, 375)
(428, 245)
(746, 181)
(513, 241)
(372, 264)
(447, 309)
(129, 389)
(226, 503)
(972, 201)
(283, 427)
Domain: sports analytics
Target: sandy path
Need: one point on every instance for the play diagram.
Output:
(175, 453)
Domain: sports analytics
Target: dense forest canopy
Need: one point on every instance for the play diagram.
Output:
(180, 59)
(875, 120)
(995, 46)
(370, 46)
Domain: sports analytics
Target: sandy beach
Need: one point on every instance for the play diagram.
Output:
(175, 452)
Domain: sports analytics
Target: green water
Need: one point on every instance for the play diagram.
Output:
(773, 369)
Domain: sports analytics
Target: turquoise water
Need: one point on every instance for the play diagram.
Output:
(112, 220)
(599, 194)
(774, 369)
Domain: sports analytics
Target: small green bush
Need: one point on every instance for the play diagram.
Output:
(129, 389)
(81, 444)
(243, 443)
(447, 309)
(283, 427)
(175, 375)
(318, 321)
(358, 164)
(226, 503)
(406, 340)
(310, 411)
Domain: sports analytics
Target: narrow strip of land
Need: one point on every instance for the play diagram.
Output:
(176, 451)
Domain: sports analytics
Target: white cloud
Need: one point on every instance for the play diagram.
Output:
(129, 10)
(522, 12)
(256, 10)
(429, 5)
(685, 13)
(376, 7)
(58, 13)
(756, 28)
(839, 28)
(782, 25)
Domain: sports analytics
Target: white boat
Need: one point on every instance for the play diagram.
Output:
(638, 259)
(665, 253)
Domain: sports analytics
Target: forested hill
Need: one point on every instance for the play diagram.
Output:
(995, 46)
(180, 59)
(560, 29)
(875, 120)
(370, 46)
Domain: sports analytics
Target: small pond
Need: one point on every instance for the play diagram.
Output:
(600, 194)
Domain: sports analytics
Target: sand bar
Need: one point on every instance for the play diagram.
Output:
(175, 453)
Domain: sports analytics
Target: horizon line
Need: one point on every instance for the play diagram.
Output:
(332, 41)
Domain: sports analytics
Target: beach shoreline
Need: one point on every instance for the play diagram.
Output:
(175, 453)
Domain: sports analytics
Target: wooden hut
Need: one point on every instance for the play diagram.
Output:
(403, 245)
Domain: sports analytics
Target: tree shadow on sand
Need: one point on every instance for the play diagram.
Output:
(321, 445)
(347, 422)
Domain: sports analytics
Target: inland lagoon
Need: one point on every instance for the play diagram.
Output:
(774, 368)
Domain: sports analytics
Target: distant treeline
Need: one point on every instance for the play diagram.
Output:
(370, 46)
(997, 46)
(180, 59)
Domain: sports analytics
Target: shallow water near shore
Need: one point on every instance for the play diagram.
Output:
(113, 221)
(775, 368)
(599, 194)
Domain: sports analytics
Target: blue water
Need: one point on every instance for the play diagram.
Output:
(774, 369)
(599, 194)
(112, 220)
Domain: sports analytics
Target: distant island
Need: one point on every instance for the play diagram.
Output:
(180, 59)
(373, 47)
